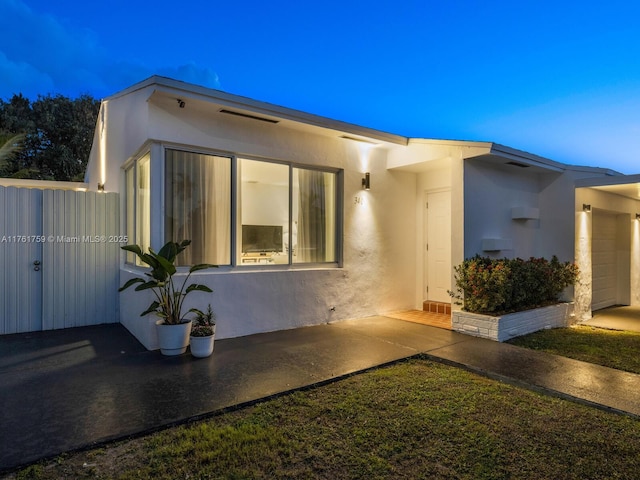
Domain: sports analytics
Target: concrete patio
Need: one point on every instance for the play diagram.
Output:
(70, 389)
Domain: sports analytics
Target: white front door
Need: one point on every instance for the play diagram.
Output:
(437, 265)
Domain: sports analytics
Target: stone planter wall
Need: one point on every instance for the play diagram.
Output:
(513, 324)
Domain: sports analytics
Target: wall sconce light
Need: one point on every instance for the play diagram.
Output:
(366, 181)
(637, 216)
(586, 207)
(100, 187)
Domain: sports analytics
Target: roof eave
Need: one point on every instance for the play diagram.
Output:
(187, 90)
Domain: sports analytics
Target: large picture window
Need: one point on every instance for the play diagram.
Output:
(235, 211)
(198, 206)
(288, 214)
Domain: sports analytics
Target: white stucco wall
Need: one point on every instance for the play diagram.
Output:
(490, 194)
(121, 129)
(377, 277)
(378, 272)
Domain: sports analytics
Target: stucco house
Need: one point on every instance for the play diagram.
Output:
(313, 220)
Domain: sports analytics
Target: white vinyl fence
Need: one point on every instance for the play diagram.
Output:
(59, 259)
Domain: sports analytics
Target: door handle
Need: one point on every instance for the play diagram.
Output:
(36, 265)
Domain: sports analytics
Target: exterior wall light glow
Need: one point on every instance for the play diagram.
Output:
(586, 207)
(366, 181)
(100, 187)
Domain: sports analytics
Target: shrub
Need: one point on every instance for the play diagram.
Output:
(497, 286)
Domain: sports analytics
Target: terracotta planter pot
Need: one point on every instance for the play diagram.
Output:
(173, 339)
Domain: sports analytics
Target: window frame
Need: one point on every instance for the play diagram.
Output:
(157, 152)
(338, 237)
(131, 202)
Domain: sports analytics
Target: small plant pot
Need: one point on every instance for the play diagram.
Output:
(202, 347)
(173, 339)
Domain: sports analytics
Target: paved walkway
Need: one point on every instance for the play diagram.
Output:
(616, 318)
(69, 389)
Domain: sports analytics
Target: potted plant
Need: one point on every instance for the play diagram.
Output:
(173, 327)
(203, 331)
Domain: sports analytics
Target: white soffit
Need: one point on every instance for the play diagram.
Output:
(214, 102)
(623, 185)
(520, 160)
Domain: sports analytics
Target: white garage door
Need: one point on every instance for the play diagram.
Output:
(604, 260)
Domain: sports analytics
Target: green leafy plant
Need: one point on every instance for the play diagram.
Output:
(203, 323)
(169, 296)
(496, 286)
(9, 146)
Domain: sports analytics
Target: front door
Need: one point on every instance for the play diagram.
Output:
(437, 268)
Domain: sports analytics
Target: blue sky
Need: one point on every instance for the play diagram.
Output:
(560, 79)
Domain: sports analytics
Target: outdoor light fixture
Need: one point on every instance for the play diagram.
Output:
(586, 207)
(100, 187)
(366, 181)
(637, 216)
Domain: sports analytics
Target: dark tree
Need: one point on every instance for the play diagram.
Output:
(58, 135)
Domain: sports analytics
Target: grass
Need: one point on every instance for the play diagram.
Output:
(610, 348)
(415, 419)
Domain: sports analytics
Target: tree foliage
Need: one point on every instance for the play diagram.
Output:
(57, 135)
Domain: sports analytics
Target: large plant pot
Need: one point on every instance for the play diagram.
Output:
(202, 347)
(173, 339)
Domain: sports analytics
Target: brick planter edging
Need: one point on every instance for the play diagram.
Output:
(512, 324)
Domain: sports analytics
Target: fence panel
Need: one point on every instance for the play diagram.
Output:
(21, 244)
(59, 259)
(81, 286)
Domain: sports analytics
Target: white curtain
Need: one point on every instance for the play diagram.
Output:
(314, 198)
(198, 206)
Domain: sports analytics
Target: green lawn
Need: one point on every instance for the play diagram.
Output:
(415, 419)
(610, 348)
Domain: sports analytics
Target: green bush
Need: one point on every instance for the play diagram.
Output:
(497, 286)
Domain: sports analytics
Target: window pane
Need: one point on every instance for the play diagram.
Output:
(143, 203)
(198, 206)
(264, 215)
(314, 214)
(130, 199)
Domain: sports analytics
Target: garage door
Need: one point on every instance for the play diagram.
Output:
(604, 260)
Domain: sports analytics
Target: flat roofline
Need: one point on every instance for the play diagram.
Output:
(168, 85)
(548, 163)
(178, 87)
(607, 181)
